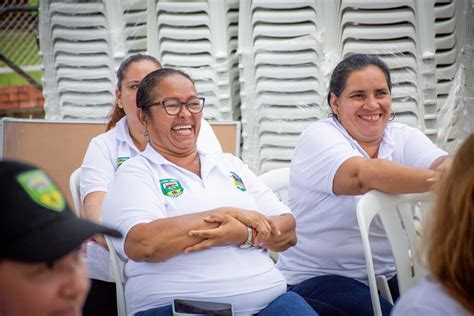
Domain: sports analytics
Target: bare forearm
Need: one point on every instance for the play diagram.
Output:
(358, 176)
(286, 224)
(390, 177)
(165, 238)
(92, 209)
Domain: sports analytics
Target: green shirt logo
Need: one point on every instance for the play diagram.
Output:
(42, 190)
(171, 187)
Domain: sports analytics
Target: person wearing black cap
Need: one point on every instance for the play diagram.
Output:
(41, 269)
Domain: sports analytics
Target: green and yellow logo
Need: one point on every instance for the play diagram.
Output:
(121, 160)
(42, 190)
(171, 187)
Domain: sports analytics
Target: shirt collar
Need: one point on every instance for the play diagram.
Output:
(123, 133)
(208, 160)
(387, 145)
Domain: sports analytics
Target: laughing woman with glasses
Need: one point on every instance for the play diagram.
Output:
(196, 225)
(106, 153)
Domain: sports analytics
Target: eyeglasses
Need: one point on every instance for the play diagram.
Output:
(174, 106)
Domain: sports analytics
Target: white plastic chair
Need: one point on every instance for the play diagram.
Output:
(398, 214)
(277, 180)
(116, 265)
(75, 192)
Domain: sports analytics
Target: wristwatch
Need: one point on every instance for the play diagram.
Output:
(247, 243)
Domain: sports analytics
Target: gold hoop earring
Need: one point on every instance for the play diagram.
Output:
(392, 115)
(145, 133)
(119, 104)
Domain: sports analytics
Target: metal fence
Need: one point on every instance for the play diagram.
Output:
(19, 49)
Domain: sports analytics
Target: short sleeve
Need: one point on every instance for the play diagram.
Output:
(320, 151)
(419, 150)
(97, 169)
(134, 179)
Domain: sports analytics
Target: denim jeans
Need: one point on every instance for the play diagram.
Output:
(284, 305)
(334, 295)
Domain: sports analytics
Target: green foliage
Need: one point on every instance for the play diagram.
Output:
(12, 79)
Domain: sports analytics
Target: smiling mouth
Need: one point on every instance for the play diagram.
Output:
(183, 129)
(371, 118)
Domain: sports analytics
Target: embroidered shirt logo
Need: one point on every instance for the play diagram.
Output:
(42, 190)
(239, 184)
(121, 160)
(171, 187)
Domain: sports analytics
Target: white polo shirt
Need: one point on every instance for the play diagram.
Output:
(104, 156)
(428, 298)
(329, 242)
(148, 188)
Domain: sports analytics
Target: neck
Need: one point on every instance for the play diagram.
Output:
(189, 161)
(371, 149)
(139, 140)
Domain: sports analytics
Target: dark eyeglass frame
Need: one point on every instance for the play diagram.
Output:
(161, 103)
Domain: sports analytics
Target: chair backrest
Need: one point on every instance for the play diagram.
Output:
(277, 180)
(75, 190)
(116, 265)
(397, 214)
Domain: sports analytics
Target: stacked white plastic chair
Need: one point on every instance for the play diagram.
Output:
(135, 15)
(200, 37)
(281, 82)
(75, 42)
(448, 16)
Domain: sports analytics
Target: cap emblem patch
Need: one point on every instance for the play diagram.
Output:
(42, 190)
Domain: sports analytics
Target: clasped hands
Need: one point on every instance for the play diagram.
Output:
(231, 229)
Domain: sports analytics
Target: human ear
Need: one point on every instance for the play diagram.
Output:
(142, 117)
(333, 103)
(118, 98)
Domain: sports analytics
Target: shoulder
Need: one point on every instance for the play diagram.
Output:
(428, 298)
(323, 136)
(228, 160)
(137, 162)
(108, 138)
(322, 126)
(395, 128)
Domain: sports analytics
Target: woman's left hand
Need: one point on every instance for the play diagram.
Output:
(229, 232)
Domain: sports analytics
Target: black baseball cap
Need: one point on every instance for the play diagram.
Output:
(36, 223)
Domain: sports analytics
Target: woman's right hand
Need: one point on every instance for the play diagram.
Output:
(262, 224)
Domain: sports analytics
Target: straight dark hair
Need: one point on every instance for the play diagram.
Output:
(352, 63)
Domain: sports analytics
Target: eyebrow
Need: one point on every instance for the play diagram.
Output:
(357, 91)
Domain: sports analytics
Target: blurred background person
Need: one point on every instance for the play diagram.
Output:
(41, 269)
(449, 245)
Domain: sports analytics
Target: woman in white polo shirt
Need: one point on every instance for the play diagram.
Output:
(192, 220)
(124, 139)
(335, 161)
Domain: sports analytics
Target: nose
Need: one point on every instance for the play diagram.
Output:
(75, 283)
(184, 111)
(371, 102)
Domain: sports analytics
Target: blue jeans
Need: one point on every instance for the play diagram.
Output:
(286, 304)
(334, 295)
